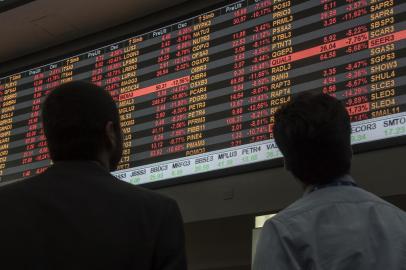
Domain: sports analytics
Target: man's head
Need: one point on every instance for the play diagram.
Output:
(81, 122)
(313, 132)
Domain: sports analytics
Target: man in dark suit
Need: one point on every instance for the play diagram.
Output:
(76, 215)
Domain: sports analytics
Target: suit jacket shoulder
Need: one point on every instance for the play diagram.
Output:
(56, 218)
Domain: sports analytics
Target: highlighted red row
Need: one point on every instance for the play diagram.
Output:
(342, 43)
(155, 88)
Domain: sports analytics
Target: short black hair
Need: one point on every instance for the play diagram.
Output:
(74, 117)
(313, 132)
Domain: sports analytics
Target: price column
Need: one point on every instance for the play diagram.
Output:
(97, 69)
(328, 16)
(236, 98)
(34, 148)
(159, 105)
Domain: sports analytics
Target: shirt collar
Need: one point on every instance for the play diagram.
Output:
(344, 178)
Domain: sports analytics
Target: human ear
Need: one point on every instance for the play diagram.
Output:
(111, 134)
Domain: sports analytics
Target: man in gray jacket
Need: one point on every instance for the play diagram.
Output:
(336, 225)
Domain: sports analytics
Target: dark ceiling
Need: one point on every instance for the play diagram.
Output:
(10, 4)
